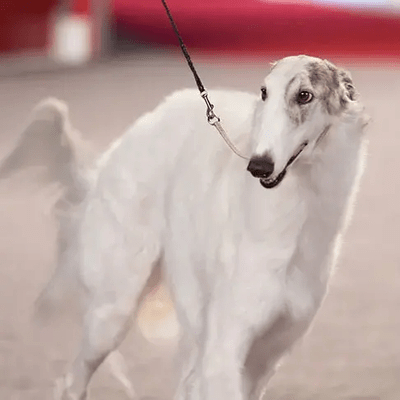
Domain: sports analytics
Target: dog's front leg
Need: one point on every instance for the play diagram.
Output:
(233, 320)
(220, 376)
(247, 301)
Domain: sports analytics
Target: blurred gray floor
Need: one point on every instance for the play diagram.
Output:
(353, 350)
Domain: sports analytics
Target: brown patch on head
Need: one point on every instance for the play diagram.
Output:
(297, 114)
(325, 81)
(333, 86)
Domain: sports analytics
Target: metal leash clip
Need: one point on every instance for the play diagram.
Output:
(215, 122)
(211, 117)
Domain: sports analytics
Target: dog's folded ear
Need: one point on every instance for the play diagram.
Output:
(347, 85)
(273, 64)
(342, 94)
(348, 94)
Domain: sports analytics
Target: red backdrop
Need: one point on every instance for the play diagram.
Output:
(23, 24)
(250, 26)
(255, 26)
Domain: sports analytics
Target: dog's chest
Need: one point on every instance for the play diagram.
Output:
(309, 269)
(299, 228)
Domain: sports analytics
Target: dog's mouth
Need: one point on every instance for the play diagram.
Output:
(272, 182)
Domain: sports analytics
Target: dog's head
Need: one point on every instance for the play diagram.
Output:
(299, 101)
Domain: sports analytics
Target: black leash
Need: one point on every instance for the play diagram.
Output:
(185, 52)
(211, 117)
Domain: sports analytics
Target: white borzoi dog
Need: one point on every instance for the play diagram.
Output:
(246, 247)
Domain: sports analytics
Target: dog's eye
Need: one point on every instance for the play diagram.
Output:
(263, 93)
(304, 97)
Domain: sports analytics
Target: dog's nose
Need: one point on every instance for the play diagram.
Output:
(261, 166)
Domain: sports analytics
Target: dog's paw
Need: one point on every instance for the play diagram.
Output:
(119, 370)
(62, 390)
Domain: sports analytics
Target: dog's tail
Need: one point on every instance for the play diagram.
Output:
(51, 145)
(60, 157)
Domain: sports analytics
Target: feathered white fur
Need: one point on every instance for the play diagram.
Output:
(248, 267)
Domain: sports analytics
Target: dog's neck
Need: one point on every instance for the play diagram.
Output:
(330, 183)
(336, 164)
(311, 190)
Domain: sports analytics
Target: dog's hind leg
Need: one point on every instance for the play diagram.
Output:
(119, 370)
(106, 324)
(117, 261)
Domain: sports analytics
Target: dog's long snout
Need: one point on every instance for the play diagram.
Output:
(261, 166)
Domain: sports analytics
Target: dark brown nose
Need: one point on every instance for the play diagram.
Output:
(261, 166)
